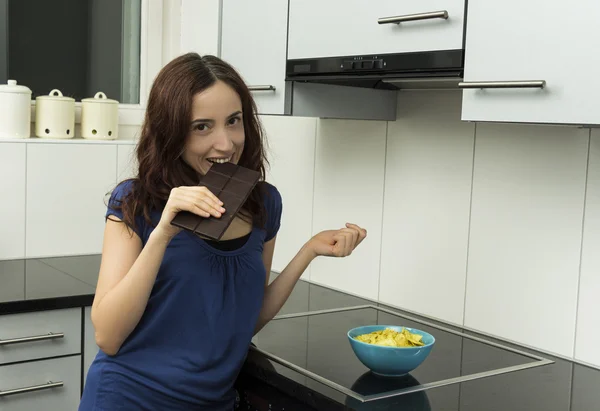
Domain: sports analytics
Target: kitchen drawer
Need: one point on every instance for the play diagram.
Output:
(349, 27)
(31, 332)
(27, 376)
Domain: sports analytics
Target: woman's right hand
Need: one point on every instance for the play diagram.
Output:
(197, 200)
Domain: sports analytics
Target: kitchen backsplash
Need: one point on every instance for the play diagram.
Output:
(492, 226)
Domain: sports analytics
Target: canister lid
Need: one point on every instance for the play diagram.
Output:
(55, 95)
(12, 87)
(99, 97)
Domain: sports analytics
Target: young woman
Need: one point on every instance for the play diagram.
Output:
(174, 314)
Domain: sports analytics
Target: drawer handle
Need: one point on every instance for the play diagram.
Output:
(442, 14)
(503, 84)
(49, 336)
(261, 88)
(40, 387)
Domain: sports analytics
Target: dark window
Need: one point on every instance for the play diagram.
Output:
(77, 46)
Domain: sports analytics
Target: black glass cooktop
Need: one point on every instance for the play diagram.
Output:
(317, 347)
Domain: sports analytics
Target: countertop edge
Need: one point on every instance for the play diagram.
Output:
(46, 304)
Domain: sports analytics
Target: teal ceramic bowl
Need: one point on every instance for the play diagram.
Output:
(390, 361)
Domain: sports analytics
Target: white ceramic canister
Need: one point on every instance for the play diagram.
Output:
(15, 110)
(99, 117)
(55, 116)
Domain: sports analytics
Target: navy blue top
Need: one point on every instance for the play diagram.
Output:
(193, 337)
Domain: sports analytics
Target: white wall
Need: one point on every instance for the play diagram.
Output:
(526, 229)
(482, 224)
(588, 314)
(491, 226)
(349, 177)
(429, 171)
(291, 154)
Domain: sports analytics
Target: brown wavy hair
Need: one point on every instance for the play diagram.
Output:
(165, 129)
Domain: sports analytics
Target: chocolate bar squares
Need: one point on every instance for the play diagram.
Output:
(232, 184)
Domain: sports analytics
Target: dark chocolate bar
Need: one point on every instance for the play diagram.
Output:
(232, 184)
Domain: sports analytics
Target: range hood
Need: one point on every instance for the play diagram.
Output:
(440, 69)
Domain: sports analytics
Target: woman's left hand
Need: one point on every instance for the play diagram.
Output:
(337, 243)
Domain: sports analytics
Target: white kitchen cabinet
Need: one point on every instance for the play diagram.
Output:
(349, 173)
(426, 210)
(588, 314)
(126, 161)
(59, 380)
(254, 40)
(90, 348)
(525, 234)
(66, 197)
(12, 185)
(514, 40)
(202, 38)
(349, 27)
(291, 154)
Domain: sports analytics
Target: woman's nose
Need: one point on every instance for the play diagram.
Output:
(223, 141)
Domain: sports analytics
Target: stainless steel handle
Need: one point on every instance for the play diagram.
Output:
(442, 14)
(49, 336)
(40, 387)
(503, 84)
(261, 88)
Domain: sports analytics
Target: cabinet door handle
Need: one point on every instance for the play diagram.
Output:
(49, 336)
(262, 88)
(40, 387)
(503, 84)
(442, 14)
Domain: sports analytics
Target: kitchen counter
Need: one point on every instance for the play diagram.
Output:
(316, 343)
(42, 284)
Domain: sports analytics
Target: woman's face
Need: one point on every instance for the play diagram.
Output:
(216, 131)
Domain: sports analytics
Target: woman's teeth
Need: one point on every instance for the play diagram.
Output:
(219, 160)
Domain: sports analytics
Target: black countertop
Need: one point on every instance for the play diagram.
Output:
(64, 282)
(48, 283)
(560, 386)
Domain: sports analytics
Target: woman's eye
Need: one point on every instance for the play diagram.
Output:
(201, 127)
(234, 120)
